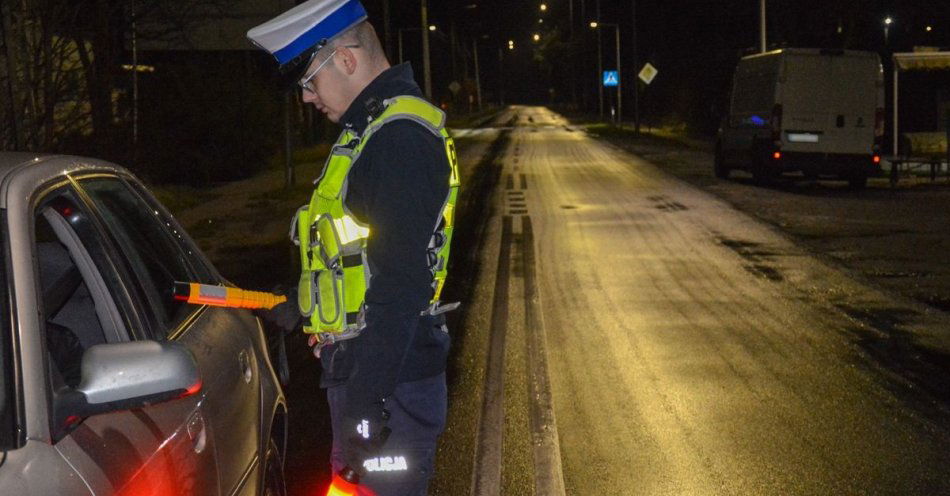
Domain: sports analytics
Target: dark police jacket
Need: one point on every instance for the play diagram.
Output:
(397, 186)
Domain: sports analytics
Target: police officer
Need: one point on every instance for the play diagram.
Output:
(374, 244)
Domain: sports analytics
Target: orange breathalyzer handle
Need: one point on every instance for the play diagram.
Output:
(221, 296)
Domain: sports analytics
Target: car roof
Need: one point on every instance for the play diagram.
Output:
(31, 170)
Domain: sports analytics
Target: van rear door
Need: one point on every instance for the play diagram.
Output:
(833, 97)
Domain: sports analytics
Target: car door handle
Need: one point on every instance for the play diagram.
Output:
(245, 363)
(197, 432)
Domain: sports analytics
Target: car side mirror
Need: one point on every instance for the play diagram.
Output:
(125, 376)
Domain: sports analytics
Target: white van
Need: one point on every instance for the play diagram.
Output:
(820, 112)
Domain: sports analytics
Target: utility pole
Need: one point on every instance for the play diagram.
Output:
(478, 82)
(135, 90)
(636, 66)
(453, 49)
(573, 61)
(426, 68)
(501, 77)
(619, 81)
(600, 68)
(762, 26)
(571, 15)
(387, 30)
(288, 144)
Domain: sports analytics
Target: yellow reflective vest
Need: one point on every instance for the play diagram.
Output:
(334, 270)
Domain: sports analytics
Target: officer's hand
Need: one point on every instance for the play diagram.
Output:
(363, 440)
(285, 316)
(314, 343)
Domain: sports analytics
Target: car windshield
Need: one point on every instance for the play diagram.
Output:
(6, 357)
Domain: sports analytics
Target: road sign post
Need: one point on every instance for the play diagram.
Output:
(611, 79)
(647, 74)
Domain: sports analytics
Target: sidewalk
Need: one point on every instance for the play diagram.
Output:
(896, 239)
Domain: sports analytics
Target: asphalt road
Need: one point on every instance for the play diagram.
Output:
(627, 333)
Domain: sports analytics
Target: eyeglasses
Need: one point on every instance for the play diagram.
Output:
(306, 83)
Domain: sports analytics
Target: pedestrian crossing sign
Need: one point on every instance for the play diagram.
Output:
(611, 78)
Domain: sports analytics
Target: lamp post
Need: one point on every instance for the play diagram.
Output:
(600, 72)
(896, 114)
(426, 67)
(501, 71)
(636, 64)
(478, 83)
(387, 30)
(616, 27)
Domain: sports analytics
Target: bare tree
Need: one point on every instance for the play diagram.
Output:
(41, 76)
(61, 63)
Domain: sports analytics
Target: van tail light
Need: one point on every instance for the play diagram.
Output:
(777, 122)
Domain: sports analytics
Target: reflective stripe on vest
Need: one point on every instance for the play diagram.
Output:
(334, 271)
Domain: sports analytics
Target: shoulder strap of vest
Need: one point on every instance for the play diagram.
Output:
(408, 107)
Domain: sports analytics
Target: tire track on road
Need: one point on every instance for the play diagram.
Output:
(515, 276)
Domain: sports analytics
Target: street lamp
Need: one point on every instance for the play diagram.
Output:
(595, 25)
(887, 27)
(544, 7)
(536, 37)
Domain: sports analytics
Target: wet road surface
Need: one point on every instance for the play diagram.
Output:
(627, 333)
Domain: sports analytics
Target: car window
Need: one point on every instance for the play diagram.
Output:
(7, 398)
(205, 273)
(77, 285)
(72, 324)
(147, 245)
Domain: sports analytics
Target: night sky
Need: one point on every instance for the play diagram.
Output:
(694, 44)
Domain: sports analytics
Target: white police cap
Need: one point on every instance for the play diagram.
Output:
(305, 28)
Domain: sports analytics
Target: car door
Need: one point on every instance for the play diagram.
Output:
(84, 300)
(29, 464)
(157, 253)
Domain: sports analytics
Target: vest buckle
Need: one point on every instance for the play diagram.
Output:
(439, 308)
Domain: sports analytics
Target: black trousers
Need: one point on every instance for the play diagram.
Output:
(406, 462)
